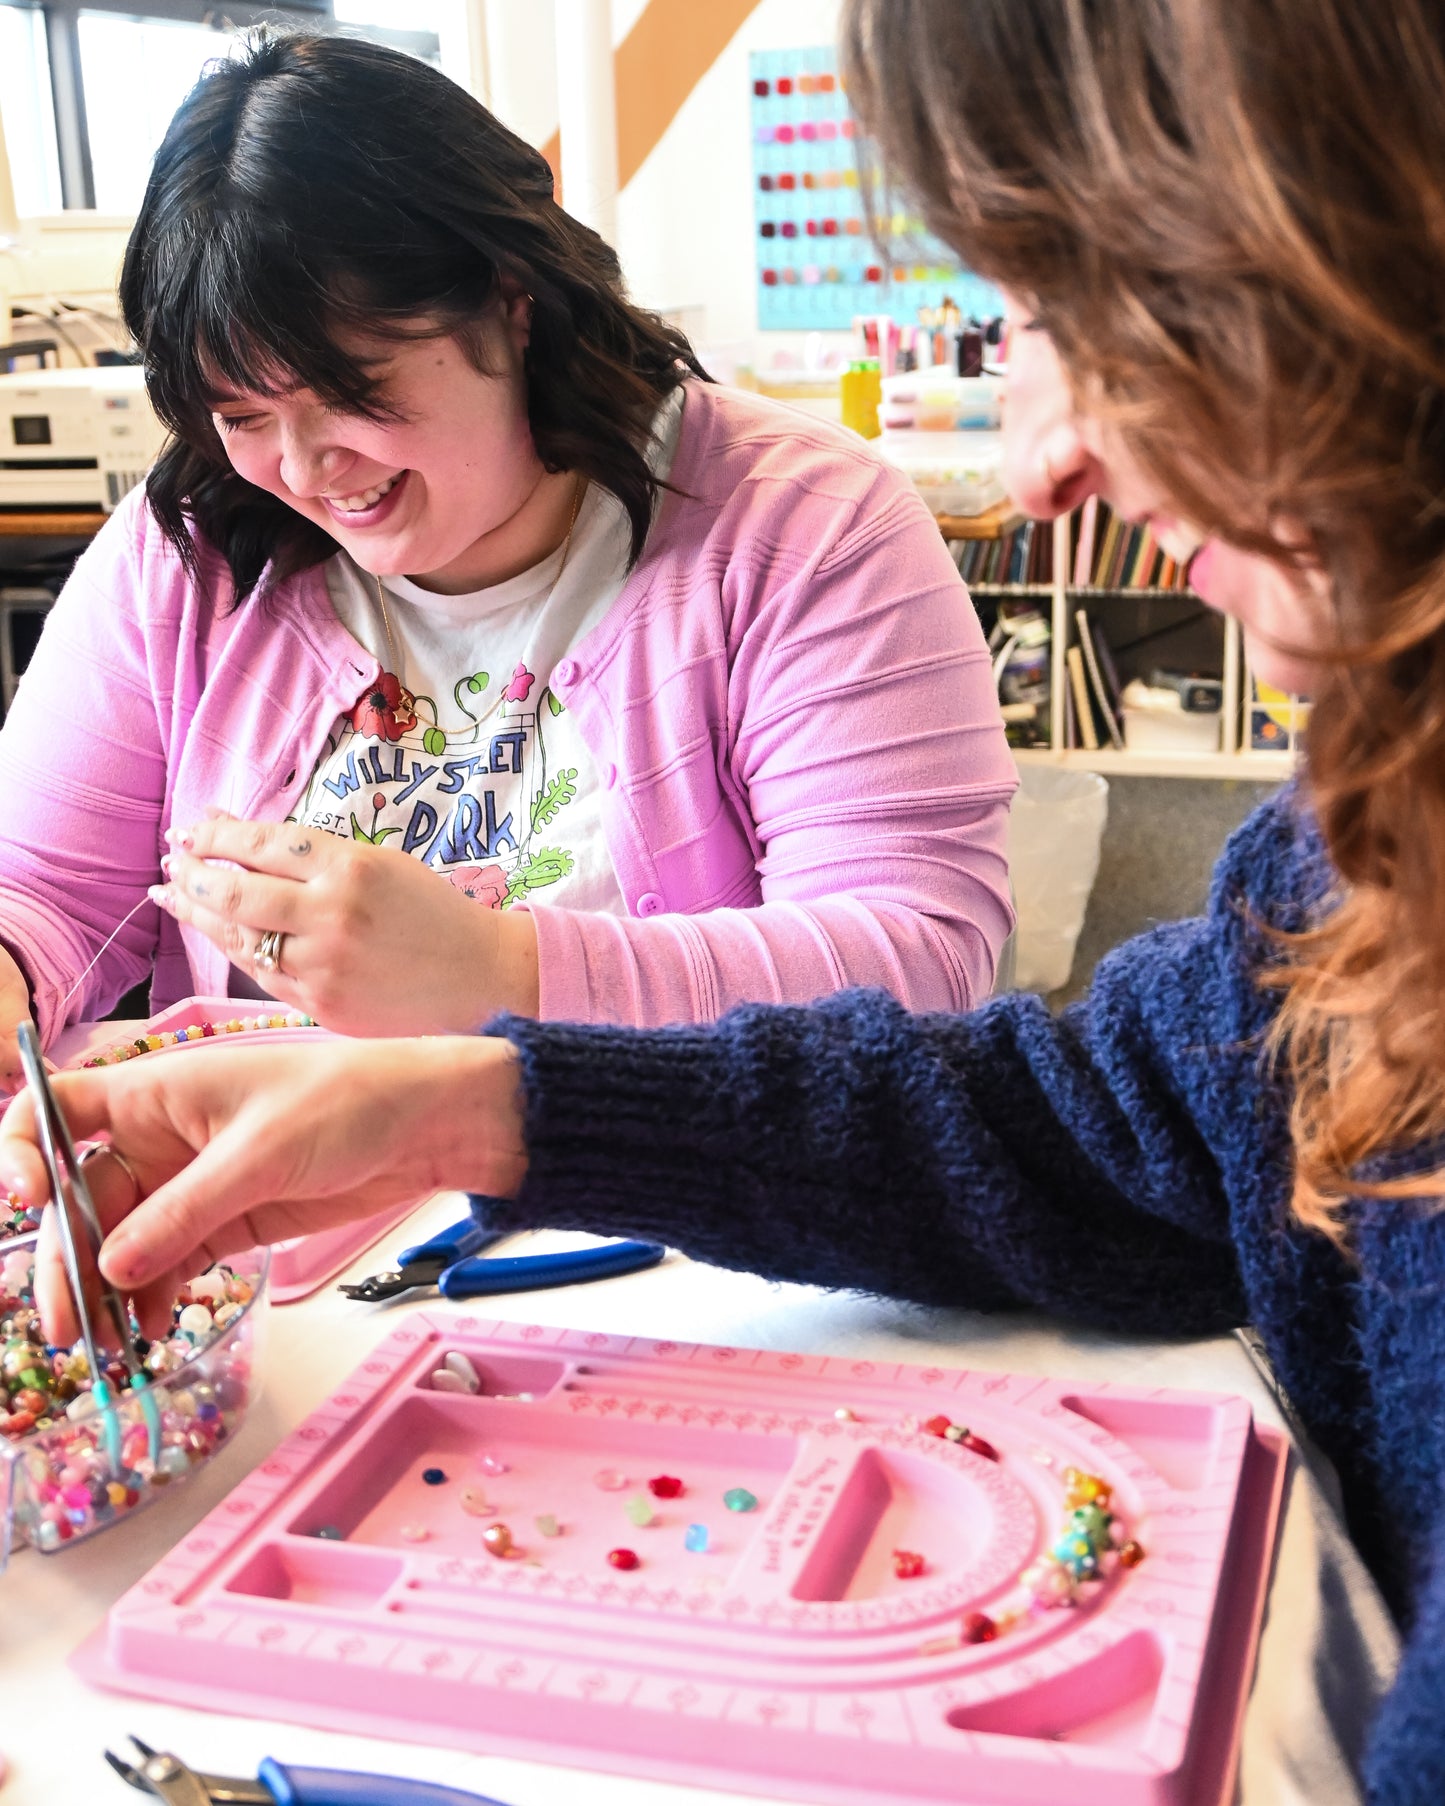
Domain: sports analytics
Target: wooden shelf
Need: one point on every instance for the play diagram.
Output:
(1250, 767)
(1002, 518)
(27, 523)
(1093, 592)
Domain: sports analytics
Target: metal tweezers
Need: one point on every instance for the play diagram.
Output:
(67, 1187)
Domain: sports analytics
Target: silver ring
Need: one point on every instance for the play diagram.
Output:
(96, 1149)
(267, 957)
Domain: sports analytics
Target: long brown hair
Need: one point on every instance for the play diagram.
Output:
(1230, 215)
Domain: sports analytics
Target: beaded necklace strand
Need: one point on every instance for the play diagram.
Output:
(198, 1031)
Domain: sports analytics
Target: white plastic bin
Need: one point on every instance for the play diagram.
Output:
(1056, 828)
(955, 473)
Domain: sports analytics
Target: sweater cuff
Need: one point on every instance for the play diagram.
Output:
(628, 1132)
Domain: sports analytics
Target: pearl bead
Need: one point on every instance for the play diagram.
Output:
(497, 1539)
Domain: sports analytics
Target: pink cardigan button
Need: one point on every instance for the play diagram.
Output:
(565, 671)
(650, 904)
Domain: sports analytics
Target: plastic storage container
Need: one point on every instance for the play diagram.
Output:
(955, 473)
(1154, 721)
(936, 401)
(1056, 830)
(59, 1486)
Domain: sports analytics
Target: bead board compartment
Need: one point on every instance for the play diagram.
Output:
(303, 1264)
(788, 1659)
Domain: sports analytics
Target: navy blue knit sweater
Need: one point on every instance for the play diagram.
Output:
(1125, 1165)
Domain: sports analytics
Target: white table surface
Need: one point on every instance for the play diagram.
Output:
(1326, 1656)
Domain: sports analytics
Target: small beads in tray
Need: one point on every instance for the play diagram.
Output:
(62, 1476)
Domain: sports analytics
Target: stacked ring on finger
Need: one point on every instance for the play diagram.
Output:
(198, 1031)
(267, 957)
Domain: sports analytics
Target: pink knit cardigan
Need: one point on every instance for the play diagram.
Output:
(790, 703)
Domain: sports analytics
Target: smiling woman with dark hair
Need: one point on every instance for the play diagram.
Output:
(468, 648)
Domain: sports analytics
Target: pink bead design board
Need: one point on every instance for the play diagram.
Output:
(344, 1584)
(299, 1266)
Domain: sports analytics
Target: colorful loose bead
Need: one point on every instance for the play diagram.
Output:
(475, 1502)
(458, 1364)
(547, 1525)
(626, 1559)
(1049, 1583)
(935, 1426)
(497, 1539)
(695, 1539)
(1085, 1489)
(738, 1498)
(978, 1627)
(434, 1476)
(639, 1509)
(1077, 1554)
(610, 1479)
(1130, 1554)
(907, 1565)
(493, 1465)
(664, 1486)
(415, 1533)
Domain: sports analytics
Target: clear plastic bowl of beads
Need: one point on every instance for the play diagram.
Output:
(69, 1469)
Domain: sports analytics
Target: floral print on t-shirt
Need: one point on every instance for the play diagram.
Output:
(471, 797)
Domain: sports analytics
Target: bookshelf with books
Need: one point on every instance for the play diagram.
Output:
(1141, 678)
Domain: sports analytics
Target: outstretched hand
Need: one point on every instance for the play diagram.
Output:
(237, 1146)
(374, 942)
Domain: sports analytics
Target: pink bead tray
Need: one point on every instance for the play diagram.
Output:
(789, 1659)
(298, 1267)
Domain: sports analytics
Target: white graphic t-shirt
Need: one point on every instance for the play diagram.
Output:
(464, 757)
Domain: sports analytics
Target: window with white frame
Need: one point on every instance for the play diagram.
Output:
(87, 87)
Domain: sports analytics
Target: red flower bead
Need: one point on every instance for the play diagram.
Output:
(935, 1426)
(907, 1565)
(665, 1487)
(624, 1559)
(978, 1627)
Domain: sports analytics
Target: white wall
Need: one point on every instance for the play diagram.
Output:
(685, 221)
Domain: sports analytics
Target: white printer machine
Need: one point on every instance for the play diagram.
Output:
(75, 438)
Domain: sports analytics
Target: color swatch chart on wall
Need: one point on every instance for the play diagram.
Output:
(817, 263)
(736, 1568)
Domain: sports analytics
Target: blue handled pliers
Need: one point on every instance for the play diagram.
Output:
(450, 1262)
(166, 1777)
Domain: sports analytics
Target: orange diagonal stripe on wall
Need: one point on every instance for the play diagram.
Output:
(658, 64)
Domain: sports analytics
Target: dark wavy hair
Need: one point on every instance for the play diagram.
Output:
(314, 187)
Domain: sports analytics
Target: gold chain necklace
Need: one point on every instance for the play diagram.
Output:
(394, 666)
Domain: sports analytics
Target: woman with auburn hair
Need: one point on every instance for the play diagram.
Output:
(1223, 226)
(467, 648)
